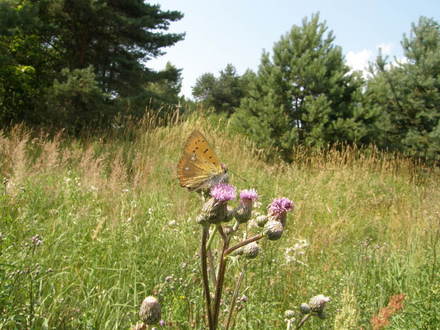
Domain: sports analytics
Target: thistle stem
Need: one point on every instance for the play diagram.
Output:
(204, 263)
(243, 243)
(304, 319)
(220, 279)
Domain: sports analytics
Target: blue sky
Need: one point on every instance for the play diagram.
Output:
(237, 31)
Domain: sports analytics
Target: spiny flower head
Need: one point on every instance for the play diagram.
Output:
(280, 206)
(317, 303)
(249, 194)
(223, 192)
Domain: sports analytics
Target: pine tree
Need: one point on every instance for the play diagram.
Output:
(304, 94)
(62, 40)
(408, 94)
(222, 93)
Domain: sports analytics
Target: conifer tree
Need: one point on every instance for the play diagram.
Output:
(222, 93)
(407, 93)
(304, 94)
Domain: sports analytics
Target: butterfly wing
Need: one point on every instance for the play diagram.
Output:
(199, 167)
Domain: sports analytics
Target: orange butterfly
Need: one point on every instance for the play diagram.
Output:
(199, 167)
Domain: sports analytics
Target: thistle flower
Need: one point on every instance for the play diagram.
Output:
(248, 195)
(150, 310)
(214, 211)
(279, 208)
(223, 192)
(244, 211)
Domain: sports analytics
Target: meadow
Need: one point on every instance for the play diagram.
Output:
(91, 226)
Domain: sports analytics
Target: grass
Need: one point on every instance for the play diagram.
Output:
(116, 227)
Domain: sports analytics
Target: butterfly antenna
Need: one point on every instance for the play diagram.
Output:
(240, 177)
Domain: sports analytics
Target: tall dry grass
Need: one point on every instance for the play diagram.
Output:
(370, 218)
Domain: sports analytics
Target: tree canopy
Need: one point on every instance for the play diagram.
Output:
(43, 42)
(304, 94)
(407, 94)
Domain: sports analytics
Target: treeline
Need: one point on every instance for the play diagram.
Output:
(79, 64)
(305, 94)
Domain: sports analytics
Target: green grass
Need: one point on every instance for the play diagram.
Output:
(114, 223)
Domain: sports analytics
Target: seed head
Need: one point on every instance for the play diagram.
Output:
(150, 310)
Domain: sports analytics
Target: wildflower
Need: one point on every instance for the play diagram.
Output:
(150, 310)
(215, 210)
(36, 240)
(273, 230)
(248, 195)
(223, 192)
(278, 209)
(244, 211)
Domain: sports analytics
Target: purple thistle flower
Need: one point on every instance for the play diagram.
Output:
(223, 192)
(280, 206)
(249, 194)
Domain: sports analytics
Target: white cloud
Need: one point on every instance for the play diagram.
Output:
(386, 48)
(359, 60)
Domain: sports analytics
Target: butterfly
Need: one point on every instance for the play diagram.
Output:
(199, 168)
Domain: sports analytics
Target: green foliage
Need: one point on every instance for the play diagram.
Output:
(164, 93)
(224, 93)
(78, 101)
(25, 64)
(304, 94)
(408, 94)
(115, 39)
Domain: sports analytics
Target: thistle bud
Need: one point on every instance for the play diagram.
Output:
(251, 250)
(150, 310)
(229, 214)
(304, 308)
(261, 220)
(242, 213)
(289, 314)
(273, 230)
(317, 303)
(213, 211)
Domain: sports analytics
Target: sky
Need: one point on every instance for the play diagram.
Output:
(237, 31)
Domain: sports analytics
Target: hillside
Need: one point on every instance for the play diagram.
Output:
(91, 226)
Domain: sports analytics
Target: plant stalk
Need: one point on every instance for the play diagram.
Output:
(204, 263)
(243, 243)
(220, 279)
